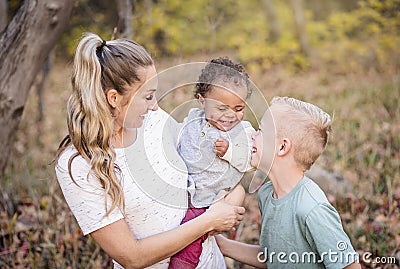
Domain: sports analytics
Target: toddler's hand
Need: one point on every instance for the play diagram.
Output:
(220, 147)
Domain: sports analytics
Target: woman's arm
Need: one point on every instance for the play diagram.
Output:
(118, 241)
(242, 252)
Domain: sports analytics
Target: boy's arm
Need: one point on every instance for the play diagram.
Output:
(242, 252)
(238, 152)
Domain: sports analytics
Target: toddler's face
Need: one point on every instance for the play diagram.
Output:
(224, 108)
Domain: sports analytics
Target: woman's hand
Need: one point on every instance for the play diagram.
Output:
(223, 216)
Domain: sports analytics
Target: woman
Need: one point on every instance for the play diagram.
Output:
(113, 90)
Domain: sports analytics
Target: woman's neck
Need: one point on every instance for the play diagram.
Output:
(123, 138)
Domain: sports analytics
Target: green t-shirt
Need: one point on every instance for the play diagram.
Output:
(302, 229)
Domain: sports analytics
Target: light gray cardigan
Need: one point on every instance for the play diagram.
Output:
(209, 174)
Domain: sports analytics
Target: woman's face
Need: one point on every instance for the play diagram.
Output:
(141, 100)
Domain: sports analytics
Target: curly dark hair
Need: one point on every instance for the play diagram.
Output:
(218, 69)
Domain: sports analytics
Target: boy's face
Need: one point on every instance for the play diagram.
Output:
(264, 146)
(224, 108)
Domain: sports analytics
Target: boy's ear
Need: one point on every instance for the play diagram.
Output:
(285, 146)
(113, 97)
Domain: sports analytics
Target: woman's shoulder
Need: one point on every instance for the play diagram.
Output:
(157, 115)
(70, 157)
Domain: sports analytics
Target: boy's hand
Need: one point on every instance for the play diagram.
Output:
(220, 147)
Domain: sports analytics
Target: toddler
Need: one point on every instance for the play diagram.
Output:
(215, 144)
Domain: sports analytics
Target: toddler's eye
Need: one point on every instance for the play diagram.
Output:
(239, 109)
(222, 108)
(150, 97)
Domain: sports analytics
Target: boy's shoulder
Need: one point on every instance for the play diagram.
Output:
(314, 191)
(266, 187)
(311, 197)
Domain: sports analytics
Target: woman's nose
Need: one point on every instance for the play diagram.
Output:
(154, 106)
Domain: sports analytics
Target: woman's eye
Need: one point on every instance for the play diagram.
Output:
(222, 108)
(239, 109)
(150, 97)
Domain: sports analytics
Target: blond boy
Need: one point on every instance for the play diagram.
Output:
(299, 227)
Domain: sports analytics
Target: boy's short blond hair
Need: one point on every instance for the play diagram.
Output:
(307, 125)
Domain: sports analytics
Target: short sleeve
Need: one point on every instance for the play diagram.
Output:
(324, 232)
(85, 197)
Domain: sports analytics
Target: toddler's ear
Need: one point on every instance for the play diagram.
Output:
(201, 100)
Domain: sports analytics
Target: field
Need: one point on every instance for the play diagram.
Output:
(38, 230)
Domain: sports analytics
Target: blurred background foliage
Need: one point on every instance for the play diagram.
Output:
(351, 68)
(364, 34)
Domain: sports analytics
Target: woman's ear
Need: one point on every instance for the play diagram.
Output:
(285, 146)
(113, 98)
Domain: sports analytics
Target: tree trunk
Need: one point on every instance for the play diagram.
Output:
(3, 14)
(25, 44)
(273, 22)
(39, 90)
(124, 8)
(300, 24)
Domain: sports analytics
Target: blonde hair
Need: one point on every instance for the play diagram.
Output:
(100, 66)
(307, 125)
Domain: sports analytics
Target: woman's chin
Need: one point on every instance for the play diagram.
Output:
(133, 127)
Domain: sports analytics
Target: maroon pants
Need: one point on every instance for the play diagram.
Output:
(189, 257)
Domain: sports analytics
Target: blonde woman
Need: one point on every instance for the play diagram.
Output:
(111, 108)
